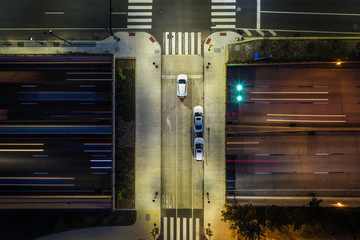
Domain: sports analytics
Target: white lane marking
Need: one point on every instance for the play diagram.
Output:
(137, 27)
(184, 229)
(303, 115)
(133, 14)
(178, 228)
(295, 120)
(166, 39)
(272, 32)
(172, 77)
(118, 13)
(140, 1)
(223, 26)
(314, 13)
(286, 30)
(139, 20)
(186, 42)
(223, 20)
(290, 92)
(165, 228)
(197, 229)
(139, 7)
(179, 43)
(223, 1)
(192, 43)
(171, 228)
(223, 13)
(247, 32)
(54, 13)
(260, 32)
(199, 43)
(191, 229)
(288, 99)
(223, 7)
(258, 10)
(173, 46)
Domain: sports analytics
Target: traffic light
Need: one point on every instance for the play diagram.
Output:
(239, 96)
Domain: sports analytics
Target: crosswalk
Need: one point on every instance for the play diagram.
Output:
(223, 14)
(182, 43)
(139, 14)
(181, 228)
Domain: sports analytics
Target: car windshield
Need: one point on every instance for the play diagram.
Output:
(199, 146)
(198, 126)
(197, 114)
(182, 81)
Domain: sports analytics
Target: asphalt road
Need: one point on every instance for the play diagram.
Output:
(181, 177)
(55, 127)
(295, 132)
(90, 20)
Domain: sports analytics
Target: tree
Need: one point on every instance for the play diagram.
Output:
(244, 220)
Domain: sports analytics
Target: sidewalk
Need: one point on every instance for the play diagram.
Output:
(215, 110)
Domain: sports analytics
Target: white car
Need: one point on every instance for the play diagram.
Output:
(198, 119)
(199, 149)
(181, 86)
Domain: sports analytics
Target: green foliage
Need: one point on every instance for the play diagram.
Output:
(120, 73)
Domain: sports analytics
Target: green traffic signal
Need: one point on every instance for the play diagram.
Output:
(239, 87)
(239, 98)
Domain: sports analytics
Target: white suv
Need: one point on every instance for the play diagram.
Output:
(199, 149)
(181, 86)
(198, 119)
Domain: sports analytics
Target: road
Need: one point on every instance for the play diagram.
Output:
(90, 20)
(296, 131)
(56, 125)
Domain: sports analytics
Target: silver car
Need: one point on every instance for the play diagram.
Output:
(198, 113)
(181, 86)
(199, 149)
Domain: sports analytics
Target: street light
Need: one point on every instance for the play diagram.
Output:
(51, 33)
(32, 39)
(239, 89)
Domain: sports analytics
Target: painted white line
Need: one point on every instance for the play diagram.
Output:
(272, 32)
(178, 228)
(314, 13)
(288, 99)
(138, 27)
(165, 228)
(199, 43)
(223, 7)
(173, 46)
(54, 13)
(247, 32)
(295, 120)
(192, 38)
(139, 20)
(280, 30)
(171, 228)
(184, 229)
(133, 14)
(223, 13)
(290, 92)
(260, 32)
(140, 1)
(223, 1)
(191, 229)
(166, 40)
(197, 229)
(223, 26)
(303, 115)
(118, 13)
(186, 42)
(258, 9)
(223, 19)
(139, 7)
(179, 43)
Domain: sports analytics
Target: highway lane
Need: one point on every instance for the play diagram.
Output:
(296, 131)
(56, 125)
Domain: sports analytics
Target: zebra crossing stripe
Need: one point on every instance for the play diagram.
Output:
(223, 20)
(139, 20)
(173, 43)
(178, 229)
(139, 7)
(166, 40)
(186, 42)
(192, 48)
(197, 229)
(191, 229)
(223, 13)
(165, 228)
(223, 26)
(179, 43)
(184, 229)
(223, 1)
(139, 26)
(132, 14)
(223, 7)
(171, 228)
(199, 43)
